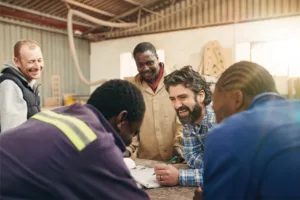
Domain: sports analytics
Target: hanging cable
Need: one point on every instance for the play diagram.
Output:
(72, 43)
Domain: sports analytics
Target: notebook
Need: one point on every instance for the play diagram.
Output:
(142, 175)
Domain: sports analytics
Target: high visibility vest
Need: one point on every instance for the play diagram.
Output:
(76, 130)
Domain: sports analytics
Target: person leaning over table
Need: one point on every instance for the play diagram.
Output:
(161, 132)
(191, 98)
(258, 148)
(75, 152)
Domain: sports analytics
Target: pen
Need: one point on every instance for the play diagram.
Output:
(172, 159)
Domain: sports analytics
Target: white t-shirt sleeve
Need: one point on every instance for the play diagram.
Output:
(13, 108)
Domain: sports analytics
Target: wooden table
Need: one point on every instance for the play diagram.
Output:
(167, 193)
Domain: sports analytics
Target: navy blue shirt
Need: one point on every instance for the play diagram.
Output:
(39, 162)
(255, 154)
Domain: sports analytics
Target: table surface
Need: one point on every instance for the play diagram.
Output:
(167, 193)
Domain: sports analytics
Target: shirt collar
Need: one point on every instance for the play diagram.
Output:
(118, 140)
(264, 97)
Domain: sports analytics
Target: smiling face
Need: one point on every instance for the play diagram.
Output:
(30, 61)
(147, 65)
(188, 106)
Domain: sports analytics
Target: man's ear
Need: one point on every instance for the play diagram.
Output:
(201, 96)
(238, 97)
(121, 118)
(17, 61)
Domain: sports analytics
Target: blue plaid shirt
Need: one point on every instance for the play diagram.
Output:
(193, 146)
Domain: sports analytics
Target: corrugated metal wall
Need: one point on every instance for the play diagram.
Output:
(57, 57)
(199, 13)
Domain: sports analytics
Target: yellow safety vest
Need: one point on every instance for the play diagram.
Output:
(76, 130)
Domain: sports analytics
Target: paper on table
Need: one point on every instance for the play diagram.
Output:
(144, 176)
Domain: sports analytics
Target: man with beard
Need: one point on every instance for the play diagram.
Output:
(191, 97)
(160, 135)
(75, 152)
(19, 98)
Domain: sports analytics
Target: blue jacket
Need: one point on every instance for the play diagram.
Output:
(255, 154)
(39, 161)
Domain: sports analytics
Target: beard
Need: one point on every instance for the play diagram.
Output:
(192, 116)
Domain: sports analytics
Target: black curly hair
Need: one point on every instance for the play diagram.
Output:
(117, 95)
(190, 79)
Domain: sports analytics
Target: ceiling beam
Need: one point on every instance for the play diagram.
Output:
(102, 12)
(37, 19)
(22, 9)
(154, 21)
(125, 14)
(133, 2)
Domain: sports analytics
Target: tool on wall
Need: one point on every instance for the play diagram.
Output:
(213, 60)
(72, 12)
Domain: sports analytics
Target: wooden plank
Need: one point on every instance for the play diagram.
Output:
(285, 5)
(263, 8)
(211, 17)
(195, 12)
(224, 11)
(243, 7)
(294, 6)
(256, 9)
(249, 9)
(271, 7)
(230, 10)
(183, 15)
(236, 10)
(217, 11)
(201, 11)
(178, 15)
(173, 17)
(205, 13)
(278, 7)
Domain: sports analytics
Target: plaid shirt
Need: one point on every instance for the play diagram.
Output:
(193, 146)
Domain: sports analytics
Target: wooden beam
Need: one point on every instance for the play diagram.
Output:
(133, 2)
(102, 12)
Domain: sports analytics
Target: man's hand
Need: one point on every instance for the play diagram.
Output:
(167, 175)
(198, 194)
(179, 153)
(127, 154)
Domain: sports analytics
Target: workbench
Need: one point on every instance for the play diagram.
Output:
(167, 193)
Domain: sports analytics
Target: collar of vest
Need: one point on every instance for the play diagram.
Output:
(15, 72)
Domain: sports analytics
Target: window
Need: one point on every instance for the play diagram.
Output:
(280, 58)
(128, 66)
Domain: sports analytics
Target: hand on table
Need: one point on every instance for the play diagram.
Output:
(167, 175)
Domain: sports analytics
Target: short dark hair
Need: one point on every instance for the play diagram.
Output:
(190, 79)
(117, 95)
(251, 78)
(143, 47)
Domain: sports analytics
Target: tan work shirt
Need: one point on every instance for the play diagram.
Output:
(161, 130)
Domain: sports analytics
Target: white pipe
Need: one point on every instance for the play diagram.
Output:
(102, 22)
(72, 44)
(74, 55)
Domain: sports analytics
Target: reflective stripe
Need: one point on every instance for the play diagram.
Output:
(75, 129)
